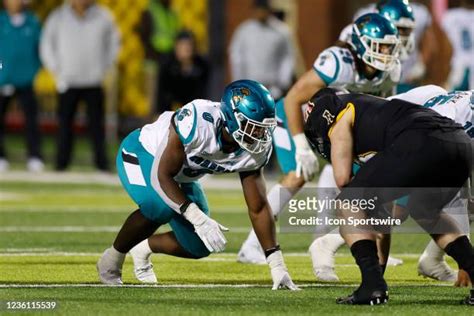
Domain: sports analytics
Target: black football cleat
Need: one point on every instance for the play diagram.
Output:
(376, 298)
(469, 300)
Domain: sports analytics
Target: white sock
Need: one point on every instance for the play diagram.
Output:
(278, 197)
(116, 257)
(432, 250)
(143, 249)
(333, 240)
(252, 240)
(329, 244)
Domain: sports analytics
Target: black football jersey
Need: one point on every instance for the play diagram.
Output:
(376, 122)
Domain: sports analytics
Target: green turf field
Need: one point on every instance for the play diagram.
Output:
(51, 236)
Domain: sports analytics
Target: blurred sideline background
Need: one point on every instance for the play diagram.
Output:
(131, 85)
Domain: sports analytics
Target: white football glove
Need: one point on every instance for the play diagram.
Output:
(281, 277)
(307, 163)
(206, 228)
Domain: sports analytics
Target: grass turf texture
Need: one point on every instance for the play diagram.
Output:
(53, 234)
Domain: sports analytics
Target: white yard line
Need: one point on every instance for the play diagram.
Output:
(210, 182)
(58, 208)
(228, 256)
(67, 209)
(81, 229)
(206, 285)
(191, 286)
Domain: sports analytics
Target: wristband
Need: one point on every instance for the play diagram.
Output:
(183, 207)
(269, 251)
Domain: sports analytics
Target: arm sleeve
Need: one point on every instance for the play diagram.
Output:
(48, 44)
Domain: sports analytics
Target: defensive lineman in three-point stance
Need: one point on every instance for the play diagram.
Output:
(159, 166)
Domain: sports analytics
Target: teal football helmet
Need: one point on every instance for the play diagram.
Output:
(375, 41)
(249, 114)
(401, 14)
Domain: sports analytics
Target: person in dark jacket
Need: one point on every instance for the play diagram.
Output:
(183, 76)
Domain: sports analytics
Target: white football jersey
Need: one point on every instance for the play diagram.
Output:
(456, 105)
(337, 68)
(411, 68)
(199, 125)
(459, 27)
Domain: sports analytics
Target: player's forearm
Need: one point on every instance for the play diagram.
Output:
(171, 192)
(264, 226)
(293, 113)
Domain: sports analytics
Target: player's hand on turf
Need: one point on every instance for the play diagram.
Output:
(206, 228)
(306, 161)
(281, 277)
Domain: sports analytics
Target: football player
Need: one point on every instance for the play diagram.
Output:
(367, 63)
(414, 23)
(159, 166)
(458, 106)
(411, 146)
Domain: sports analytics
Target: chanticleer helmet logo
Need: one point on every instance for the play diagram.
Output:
(239, 97)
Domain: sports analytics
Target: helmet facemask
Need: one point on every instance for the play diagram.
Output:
(380, 53)
(254, 136)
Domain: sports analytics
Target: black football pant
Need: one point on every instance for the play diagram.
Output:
(68, 103)
(428, 166)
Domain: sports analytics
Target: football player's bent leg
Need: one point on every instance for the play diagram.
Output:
(181, 242)
(432, 263)
(361, 240)
(327, 240)
(133, 163)
(183, 230)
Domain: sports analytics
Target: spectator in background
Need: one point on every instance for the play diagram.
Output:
(80, 43)
(19, 63)
(158, 29)
(261, 50)
(458, 24)
(184, 76)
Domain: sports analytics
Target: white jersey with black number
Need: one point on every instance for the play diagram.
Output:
(199, 125)
(457, 105)
(336, 66)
